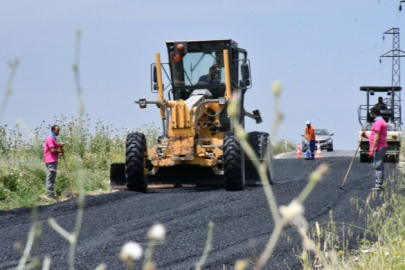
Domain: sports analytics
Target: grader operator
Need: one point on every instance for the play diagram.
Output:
(198, 145)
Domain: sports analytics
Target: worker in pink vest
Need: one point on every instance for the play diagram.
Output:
(378, 146)
(51, 155)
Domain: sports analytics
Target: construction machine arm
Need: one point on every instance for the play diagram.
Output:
(255, 115)
(227, 75)
(160, 84)
(143, 102)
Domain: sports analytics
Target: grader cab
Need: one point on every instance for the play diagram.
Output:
(198, 145)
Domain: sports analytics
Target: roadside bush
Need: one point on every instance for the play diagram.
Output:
(20, 182)
(283, 146)
(23, 172)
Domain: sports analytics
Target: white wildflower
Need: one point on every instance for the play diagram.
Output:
(300, 223)
(157, 232)
(131, 251)
(292, 210)
(308, 244)
(334, 257)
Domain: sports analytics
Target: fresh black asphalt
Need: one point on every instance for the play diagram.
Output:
(242, 220)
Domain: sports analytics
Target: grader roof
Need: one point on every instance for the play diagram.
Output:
(380, 88)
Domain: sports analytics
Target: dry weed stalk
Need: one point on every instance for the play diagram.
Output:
(208, 247)
(291, 214)
(9, 90)
(73, 237)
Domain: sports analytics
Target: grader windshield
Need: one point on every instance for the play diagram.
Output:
(200, 65)
(195, 68)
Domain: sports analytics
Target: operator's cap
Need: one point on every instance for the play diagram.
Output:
(308, 122)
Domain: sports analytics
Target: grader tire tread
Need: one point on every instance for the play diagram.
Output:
(364, 158)
(233, 166)
(134, 162)
(259, 142)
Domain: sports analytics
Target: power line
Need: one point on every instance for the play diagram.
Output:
(396, 53)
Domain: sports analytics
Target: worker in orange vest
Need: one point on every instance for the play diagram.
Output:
(310, 135)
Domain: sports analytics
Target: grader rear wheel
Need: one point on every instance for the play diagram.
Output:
(364, 158)
(261, 143)
(134, 162)
(234, 164)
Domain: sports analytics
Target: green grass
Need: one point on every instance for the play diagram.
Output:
(383, 244)
(387, 226)
(283, 146)
(22, 169)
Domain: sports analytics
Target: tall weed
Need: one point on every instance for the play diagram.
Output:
(22, 169)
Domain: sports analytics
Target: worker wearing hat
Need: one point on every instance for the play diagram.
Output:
(310, 135)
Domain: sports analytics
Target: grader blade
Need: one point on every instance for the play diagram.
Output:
(186, 174)
(117, 176)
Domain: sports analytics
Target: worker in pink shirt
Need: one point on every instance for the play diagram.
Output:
(51, 154)
(378, 146)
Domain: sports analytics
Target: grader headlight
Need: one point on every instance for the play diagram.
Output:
(142, 103)
(221, 102)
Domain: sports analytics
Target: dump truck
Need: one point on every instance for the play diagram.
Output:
(391, 113)
(198, 145)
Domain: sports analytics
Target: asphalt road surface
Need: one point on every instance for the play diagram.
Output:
(325, 154)
(242, 220)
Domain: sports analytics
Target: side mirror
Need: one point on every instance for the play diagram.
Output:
(303, 136)
(154, 74)
(331, 134)
(245, 74)
(153, 77)
(257, 116)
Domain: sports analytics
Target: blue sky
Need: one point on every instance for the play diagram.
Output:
(321, 50)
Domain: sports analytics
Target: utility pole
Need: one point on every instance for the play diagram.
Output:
(396, 55)
(400, 5)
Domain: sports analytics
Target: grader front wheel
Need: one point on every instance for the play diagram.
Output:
(134, 162)
(234, 163)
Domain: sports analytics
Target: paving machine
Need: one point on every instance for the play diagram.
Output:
(198, 145)
(391, 114)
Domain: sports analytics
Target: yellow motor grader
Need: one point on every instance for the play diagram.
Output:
(198, 145)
